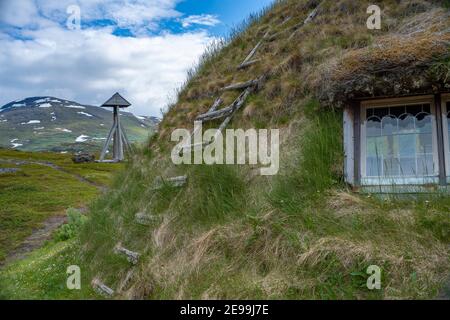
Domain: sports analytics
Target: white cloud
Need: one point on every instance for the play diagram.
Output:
(88, 66)
(125, 13)
(203, 19)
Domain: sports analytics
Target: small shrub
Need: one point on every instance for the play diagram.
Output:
(317, 167)
(441, 70)
(75, 220)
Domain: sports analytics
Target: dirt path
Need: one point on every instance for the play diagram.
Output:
(36, 240)
(44, 233)
(19, 162)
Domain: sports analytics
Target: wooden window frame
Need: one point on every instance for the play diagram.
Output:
(361, 130)
(444, 99)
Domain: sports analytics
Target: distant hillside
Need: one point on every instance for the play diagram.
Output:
(52, 124)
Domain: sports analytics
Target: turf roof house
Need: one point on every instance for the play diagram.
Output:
(396, 101)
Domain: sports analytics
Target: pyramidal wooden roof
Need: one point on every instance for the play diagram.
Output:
(117, 101)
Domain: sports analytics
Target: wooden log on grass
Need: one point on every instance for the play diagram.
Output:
(126, 281)
(241, 85)
(237, 105)
(215, 114)
(132, 257)
(293, 30)
(101, 288)
(253, 52)
(248, 64)
(145, 219)
(175, 182)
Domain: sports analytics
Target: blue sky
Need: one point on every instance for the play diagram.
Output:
(141, 48)
(229, 12)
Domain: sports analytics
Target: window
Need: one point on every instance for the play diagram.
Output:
(399, 143)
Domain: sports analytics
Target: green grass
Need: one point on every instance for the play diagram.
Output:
(35, 193)
(301, 235)
(316, 167)
(42, 275)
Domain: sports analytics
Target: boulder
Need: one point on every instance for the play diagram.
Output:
(83, 158)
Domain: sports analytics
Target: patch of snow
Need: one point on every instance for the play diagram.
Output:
(64, 152)
(18, 105)
(15, 145)
(98, 138)
(85, 114)
(14, 140)
(32, 122)
(140, 118)
(40, 128)
(102, 124)
(143, 126)
(64, 130)
(82, 138)
(41, 100)
(4, 120)
(75, 107)
(45, 105)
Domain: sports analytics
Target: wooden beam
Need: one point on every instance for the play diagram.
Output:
(215, 114)
(125, 282)
(253, 52)
(101, 288)
(241, 85)
(146, 219)
(175, 182)
(132, 257)
(356, 105)
(349, 152)
(309, 19)
(107, 142)
(248, 64)
(440, 140)
(296, 27)
(237, 105)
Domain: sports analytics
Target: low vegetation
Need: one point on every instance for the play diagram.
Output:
(37, 192)
(232, 234)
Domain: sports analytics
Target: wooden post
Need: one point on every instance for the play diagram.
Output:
(117, 133)
(440, 138)
(356, 105)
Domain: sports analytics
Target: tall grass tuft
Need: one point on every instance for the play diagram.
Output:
(216, 193)
(316, 168)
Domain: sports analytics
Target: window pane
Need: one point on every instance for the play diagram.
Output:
(399, 142)
(424, 123)
(381, 112)
(406, 124)
(397, 111)
(374, 167)
(391, 167)
(414, 109)
(408, 166)
(407, 145)
(389, 125)
(425, 143)
(373, 127)
(425, 165)
(376, 146)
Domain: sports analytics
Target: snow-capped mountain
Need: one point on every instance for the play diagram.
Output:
(53, 124)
